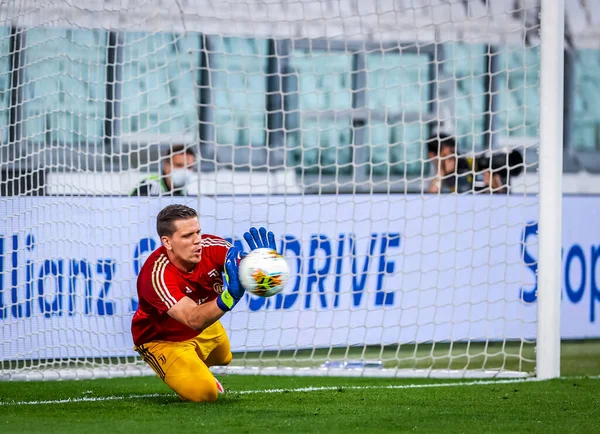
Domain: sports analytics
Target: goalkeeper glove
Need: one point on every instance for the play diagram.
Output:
(258, 239)
(232, 288)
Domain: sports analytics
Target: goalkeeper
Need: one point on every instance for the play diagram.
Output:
(184, 288)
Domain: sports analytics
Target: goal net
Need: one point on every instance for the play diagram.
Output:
(391, 145)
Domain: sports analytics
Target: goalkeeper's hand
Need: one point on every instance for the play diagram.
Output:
(232, 288)
(260, 238)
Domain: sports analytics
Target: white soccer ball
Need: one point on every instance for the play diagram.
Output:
(264, 272)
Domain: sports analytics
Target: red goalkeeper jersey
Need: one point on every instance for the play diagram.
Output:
(160, 285)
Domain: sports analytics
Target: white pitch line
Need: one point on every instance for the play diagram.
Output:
(249, 392)
(388, 387)
(84, 399)
(581, 377)
(300, 390)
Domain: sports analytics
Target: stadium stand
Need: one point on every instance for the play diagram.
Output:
(68, 119)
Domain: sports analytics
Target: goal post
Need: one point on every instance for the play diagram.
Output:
(550, 196)
(392, 146)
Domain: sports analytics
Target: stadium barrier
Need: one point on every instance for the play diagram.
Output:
(382, 269)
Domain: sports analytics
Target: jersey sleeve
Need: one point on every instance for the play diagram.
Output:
(163, 288)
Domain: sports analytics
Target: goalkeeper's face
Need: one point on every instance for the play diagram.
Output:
(185, 242)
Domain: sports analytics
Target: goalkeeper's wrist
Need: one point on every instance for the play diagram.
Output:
(226, 301)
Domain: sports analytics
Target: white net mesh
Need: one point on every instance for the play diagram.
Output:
(311, 117)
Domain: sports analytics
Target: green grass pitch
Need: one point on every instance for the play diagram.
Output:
(255, 404)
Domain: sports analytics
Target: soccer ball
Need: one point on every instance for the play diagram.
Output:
(264, 272)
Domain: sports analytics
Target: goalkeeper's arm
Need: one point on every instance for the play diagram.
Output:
(200, 316)
(196, 316)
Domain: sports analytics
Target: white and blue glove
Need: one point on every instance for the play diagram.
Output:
(260, 239)
(233, 291)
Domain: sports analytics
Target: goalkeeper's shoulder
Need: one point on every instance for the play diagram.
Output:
(210, 240)
(214, 251)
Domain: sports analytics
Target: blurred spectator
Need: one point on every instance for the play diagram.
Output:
(490, 181)
(451, 171)
(495, 169)
(176, 171)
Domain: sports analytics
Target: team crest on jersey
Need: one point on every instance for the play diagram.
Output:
(218, 287)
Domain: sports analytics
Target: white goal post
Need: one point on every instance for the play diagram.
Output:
(550, 196)
(329, 121)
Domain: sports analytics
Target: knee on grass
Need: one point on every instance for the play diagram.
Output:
(227, 359)
(201, 390)
(216, 359)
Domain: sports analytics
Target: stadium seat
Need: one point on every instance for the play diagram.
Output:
(65, 91)
(323, 147)
(519, 92)
(158, 85)
(586, 119)
(324, 83)
(585, 134)
(465, 64)
(239, 86)
(397, 149)
(377, 139)
(396, 84)
(463, 60)
(156, 88)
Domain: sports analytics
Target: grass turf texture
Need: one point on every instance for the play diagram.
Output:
(569, 405)
(347, 405)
